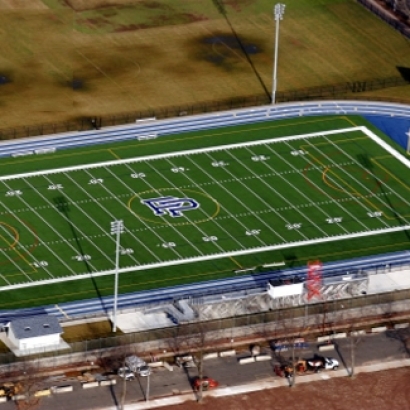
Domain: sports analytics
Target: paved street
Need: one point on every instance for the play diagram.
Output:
(369, 349)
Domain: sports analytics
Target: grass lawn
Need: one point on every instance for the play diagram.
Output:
(198, 206)
(65, 60)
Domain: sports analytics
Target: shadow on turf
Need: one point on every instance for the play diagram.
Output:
(404, 72)
(366, 162)
(221, 9)
(62, 206)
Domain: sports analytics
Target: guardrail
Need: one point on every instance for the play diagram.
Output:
(158, 128)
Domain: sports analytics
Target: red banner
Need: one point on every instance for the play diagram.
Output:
(314, 279)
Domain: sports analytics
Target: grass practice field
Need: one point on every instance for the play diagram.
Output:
(199, 206)
(68, 59)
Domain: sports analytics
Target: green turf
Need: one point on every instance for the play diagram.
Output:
(48, 233)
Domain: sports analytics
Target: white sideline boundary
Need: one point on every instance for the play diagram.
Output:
(180, 153)
(213, 256)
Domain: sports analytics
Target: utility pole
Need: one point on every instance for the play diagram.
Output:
(278, 12)
(117, 228)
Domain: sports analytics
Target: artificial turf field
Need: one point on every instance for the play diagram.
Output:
(199, 206)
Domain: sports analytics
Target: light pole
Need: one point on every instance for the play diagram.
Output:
(117, 228)
(278, 12)
(147, 392)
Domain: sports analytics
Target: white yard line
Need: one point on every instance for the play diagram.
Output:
(255, 195)
(387, 187)
(214, 221)
(105, 210)
(158, 263)
(177, 154)
(186, 216)
(53, 229)
(185, 261)
(31, 233)
(236, 199)
(331, 200)
(358, 200)
(113, 196)
(153, 231)
(68, 220)
(4, 252)
(277, 193)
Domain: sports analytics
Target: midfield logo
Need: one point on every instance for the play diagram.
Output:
(170, 205)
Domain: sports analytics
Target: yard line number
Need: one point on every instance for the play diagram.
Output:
(376, 214)
(176, 170)
(53, 187)
(168, 245)
(82, 258)
(253, 232)
(297, 152)
(293, 226)
(95, 181)
(127, 251)
(40, 264)
(137, 175)
(259, 158)
(17, 192)
(337, 220)
(219, 164)
(210, 238)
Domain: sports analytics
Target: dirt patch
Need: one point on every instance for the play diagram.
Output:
(387, 390)
(82, 5)
(22, 4)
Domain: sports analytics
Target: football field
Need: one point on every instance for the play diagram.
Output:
(200, 204)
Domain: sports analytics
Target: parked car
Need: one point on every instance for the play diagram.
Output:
(144, 371)
(207, 383)
(126, 373)
(134, 363)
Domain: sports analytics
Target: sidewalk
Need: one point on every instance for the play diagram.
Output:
(269, 383)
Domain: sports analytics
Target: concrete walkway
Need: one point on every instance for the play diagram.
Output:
(268, 383)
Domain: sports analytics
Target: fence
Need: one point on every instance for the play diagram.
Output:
(350, 90)
(395, 22)
(240, 326)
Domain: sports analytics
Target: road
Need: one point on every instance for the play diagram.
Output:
(369, 349)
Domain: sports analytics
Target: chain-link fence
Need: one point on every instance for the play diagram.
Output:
(316, 317)
(349, 90)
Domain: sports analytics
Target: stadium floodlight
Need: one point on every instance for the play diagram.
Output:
(408, 141)
(278, 11)
(117, 228)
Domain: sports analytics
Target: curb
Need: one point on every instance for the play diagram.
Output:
(267, 383)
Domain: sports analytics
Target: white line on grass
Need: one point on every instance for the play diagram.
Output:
(334, 181)
(255, 195)
(96, 202)
(315, 204)
(112, 216)
(385, 204)
(278, 194)
(88, 216)
(176, 154)
(31, 233)
(51, 228)
(177, 262)
(236, 199)
(153, 231)
(195, 226)
(214, 221)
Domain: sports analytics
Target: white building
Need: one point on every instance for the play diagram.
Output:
(42, 332)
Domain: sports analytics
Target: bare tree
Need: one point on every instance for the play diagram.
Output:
(28, 386)
(193, 338)
(112, 362)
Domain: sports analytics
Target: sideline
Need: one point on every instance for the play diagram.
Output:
(269, 383)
